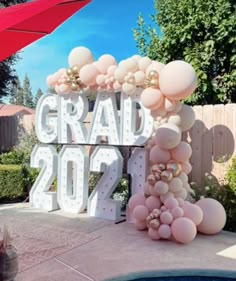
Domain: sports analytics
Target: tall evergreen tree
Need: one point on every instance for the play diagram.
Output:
(7, 73)
(37, 97)
(16, 93)
(28, 97)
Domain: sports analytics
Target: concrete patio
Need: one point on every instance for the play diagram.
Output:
(62, 247)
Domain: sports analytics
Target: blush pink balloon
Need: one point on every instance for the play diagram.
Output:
(131, 64)
(155, 65)
(180, 201)
(116, 86)
(146, 188)
(139, 78)
(143, 63)
(88, 74)
(104, 62)
(193, 212)
(183, 230)
(151, 98)
(140, 225)
(111, 70)
(51, 80)
(182, 193)
(214, 216)
(158, 155)
(166, 217)
(140, 212)
(100, 80)
(161, 188)
(182, 152)
(129, 89)
(175, 185)
(164, 231)
(169, 105)
(171, 203)
(80, 56)
(63, 89)
(135, 200)
(120, 74)
(186, 167)
(187, 116)
(165, 196)
(177, 80)
(152, 203)
(177, 212)
(153, 234)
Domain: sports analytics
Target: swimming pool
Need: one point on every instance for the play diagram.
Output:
(179, 275)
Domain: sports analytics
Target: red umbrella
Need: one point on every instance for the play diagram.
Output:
(23, 24)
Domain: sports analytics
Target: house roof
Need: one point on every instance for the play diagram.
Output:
(11, 110)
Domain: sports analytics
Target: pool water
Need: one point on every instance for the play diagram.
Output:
(186, 278)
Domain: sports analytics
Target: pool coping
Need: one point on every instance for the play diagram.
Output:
(176, 273)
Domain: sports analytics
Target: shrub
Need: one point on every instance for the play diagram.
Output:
(231, 174)
(12, 183)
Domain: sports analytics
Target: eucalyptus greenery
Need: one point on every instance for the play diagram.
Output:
(201, 32)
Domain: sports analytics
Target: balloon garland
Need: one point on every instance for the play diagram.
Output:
(162, 208)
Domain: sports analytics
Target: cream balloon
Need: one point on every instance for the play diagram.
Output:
(187, 117)
(88, 74)
(151, 98)
(177, 80)
(143, 63)
(104, 62)
(80, 56)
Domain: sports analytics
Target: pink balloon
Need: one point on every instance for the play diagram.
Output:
(88, 74)
(183, 230)
(100, 80)
(135, 200)
(111, 70)
(164, 231)
(129, 89)
(151, 98)
(166, 217)
(186, 167)
(194, 213)
(153, 234)
(152, 203)
(177, 80)
(171, 203)
(63, 89)
(146, 188)
(155, 65)
(139, 78)
(182, 193)
(161, 187)
(180, 201)
(51, 80)
(175, 185)
(80, 56)
(158, 155)
(140, 225)
(140, 212)
(120, 74)
(163, 208)
(182, 152)
(214, 216)
(116, 86)
(169, 105)
(131, 64)
(165, 196)
(143, 63)
(177, 212)
(104, 62)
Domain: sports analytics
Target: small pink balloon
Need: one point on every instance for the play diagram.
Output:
(140, 225)
(182, 193)
(116, 86)
(57, 89)
(177, 212)
(166, 217)
(194, 213)
(182, 152)
(161, 187)
(186, 167)
(111, 70)
(120, 73)
(180, 201)
(153, 234)
(175, 185)
(164, 231)
(139, 78)
(88, 74)
(51, 80)
(100, 80)
(129, 89)
(152, 203)
(135, 200)
(144, 62)
(131, 64)
(169, 105)
(177, 80)
(158, 155)
(140, 212)
(104, 62)
(171, 203)
(214, 216)
(63, 89)
(146, 188)
(183, 230)
(163, 208)
(151, 98)
(165, 196)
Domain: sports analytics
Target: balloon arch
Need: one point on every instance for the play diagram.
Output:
(159, 165)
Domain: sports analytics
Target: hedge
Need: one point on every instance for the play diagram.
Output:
(12, 183)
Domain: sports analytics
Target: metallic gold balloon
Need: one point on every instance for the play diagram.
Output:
(75, 69)
(154, 83)
(155, 169)
(151, 179)
(157, 176)
(162, 167)
(153, 74)
(148, 220)
(166, 176)
(174, 167)
(69, 72)
(156, 213)
(74, 87)
(154, 224)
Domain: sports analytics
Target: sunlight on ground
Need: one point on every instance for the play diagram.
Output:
(228, 252)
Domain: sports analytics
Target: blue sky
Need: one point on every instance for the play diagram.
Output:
(103, 26)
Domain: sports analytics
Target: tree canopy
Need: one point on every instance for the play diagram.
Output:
(201, 32)
(7, 73)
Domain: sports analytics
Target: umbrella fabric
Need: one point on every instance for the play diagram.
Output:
(25, 23)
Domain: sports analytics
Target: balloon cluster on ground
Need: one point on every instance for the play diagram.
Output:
(162, 208)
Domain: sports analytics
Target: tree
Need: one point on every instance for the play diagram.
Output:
(16, 93)
(37, 97)
(7, 73)
(201, 32)
(28, 97)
